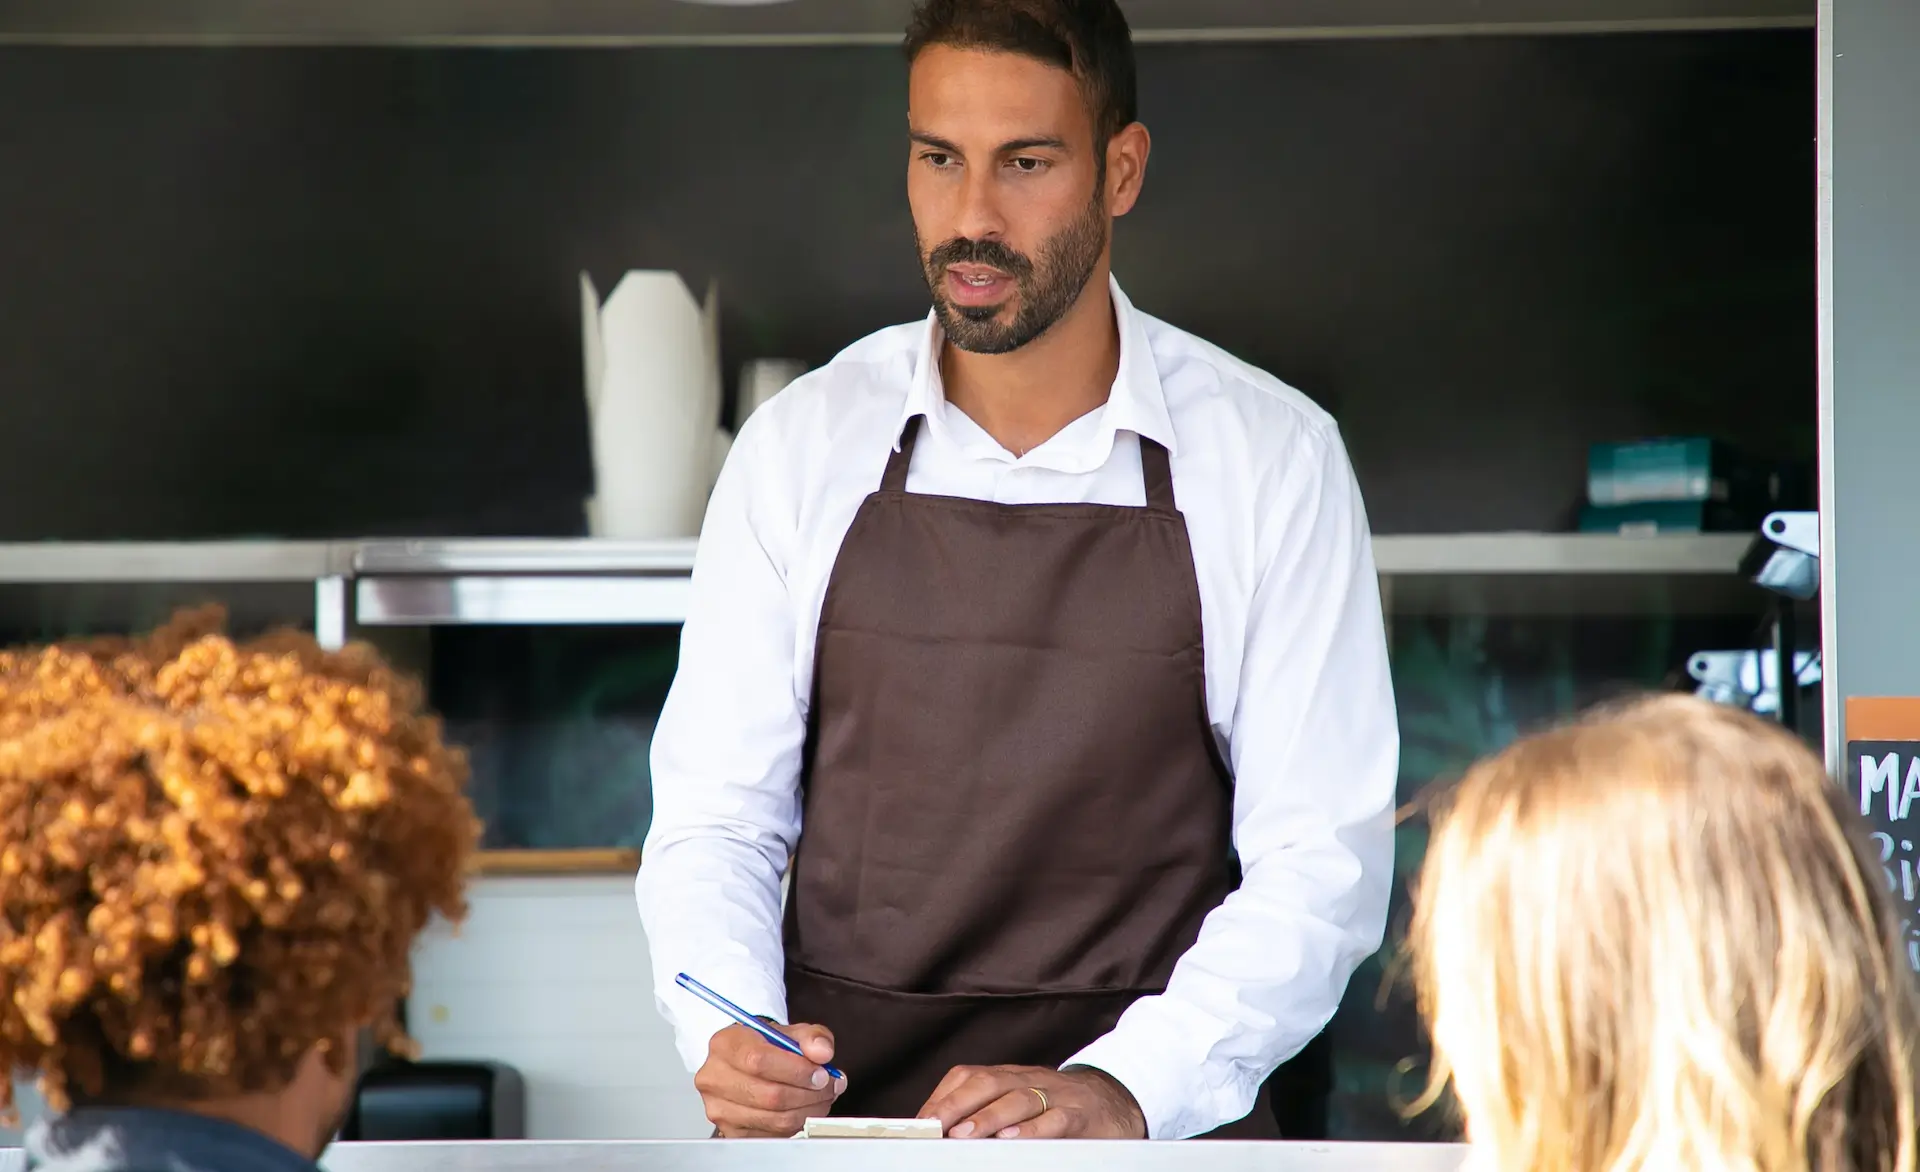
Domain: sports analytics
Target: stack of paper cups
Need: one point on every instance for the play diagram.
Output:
(762, 379)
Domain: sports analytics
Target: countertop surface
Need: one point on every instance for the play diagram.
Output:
(876, 1156)
(891, 1155)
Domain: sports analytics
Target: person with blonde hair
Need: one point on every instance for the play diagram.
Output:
(215, 857)
(1656, 939)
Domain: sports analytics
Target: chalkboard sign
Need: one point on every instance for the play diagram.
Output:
(1883, 776)
(1886, 780)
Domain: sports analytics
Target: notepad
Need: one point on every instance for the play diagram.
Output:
(872, 1129)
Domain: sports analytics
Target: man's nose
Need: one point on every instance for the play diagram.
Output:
(980, 216)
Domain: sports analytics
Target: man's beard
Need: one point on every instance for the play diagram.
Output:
(1046, 290)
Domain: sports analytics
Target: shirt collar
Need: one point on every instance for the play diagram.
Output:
(108, 1139)
(1137, 402)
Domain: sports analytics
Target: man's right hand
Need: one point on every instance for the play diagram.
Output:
(755, 1090)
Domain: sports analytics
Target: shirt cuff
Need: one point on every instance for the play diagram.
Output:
(1176, 1102)
(695, 1022)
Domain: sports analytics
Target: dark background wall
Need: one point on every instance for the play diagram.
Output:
(332, 292)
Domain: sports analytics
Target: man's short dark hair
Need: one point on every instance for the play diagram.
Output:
(1087, 38)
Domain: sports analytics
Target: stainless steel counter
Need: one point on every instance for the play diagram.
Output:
(878, 1156)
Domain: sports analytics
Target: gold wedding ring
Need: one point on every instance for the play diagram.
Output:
(1043, 1098)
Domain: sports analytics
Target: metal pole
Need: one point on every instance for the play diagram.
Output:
(330, 612)
(1830, 657)
(1786, 654)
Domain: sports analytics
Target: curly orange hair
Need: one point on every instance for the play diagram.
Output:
(214, 858)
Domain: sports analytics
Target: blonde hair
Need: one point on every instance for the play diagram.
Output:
(216, 857)
(1655, 939)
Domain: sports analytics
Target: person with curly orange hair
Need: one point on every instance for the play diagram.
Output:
(215, 857)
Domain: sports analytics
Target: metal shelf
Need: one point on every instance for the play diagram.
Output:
(178, 561)
(437, 582)
(1559, 554)
(1477, 554)
(508, 600)
(820, 22)
(524, 556)
(522, 582)
(1566, 575)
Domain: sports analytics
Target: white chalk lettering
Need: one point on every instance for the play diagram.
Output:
(1886, 853)
(1912, 789)
(1876, 776)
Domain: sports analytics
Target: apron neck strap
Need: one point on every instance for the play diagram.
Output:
(895, 477)
(1157, 471)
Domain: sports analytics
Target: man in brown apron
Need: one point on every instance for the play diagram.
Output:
(1018, 818)
(1015, 670)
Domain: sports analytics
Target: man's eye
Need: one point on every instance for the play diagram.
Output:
(1028, 166)
(936, 159)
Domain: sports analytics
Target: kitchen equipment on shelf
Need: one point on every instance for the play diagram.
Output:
(760, 380)
(653, 404)
(1683, 484)
(411, 1101)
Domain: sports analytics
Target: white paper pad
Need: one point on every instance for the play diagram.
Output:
(872, 1129)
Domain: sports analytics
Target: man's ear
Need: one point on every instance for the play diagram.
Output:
(1127, 167)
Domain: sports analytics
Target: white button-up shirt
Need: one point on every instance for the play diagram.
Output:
(1296, 678)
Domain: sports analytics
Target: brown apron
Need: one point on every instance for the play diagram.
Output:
(1016, 815)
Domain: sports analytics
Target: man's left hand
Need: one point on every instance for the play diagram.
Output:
(1033, 1102)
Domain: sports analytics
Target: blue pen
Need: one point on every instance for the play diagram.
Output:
(747, 1019)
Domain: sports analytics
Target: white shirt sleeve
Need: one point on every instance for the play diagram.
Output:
(1314, 748)
(726, 759)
